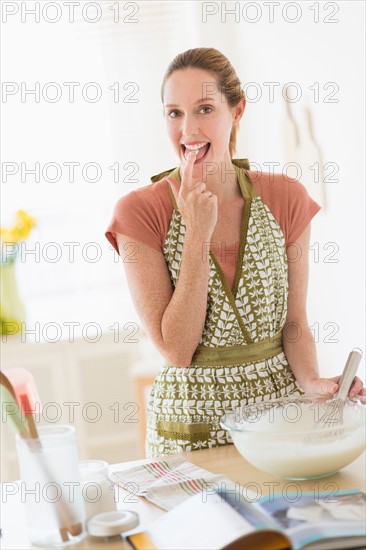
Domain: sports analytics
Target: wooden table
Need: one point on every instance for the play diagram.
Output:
(225, 460)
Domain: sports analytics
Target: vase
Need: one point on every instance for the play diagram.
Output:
(12, 310)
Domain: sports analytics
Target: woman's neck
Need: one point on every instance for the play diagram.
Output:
(223, 182)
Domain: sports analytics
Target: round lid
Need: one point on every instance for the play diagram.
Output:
(110, 524)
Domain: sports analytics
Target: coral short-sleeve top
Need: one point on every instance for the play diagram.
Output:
(145, 213)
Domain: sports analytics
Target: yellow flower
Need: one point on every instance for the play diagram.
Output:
(20, 230)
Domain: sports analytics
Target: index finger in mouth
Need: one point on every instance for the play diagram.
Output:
(188, 168)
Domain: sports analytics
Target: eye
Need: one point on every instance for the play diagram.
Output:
(206, 107)
(174, 111)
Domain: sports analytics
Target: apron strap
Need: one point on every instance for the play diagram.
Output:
(234, 355)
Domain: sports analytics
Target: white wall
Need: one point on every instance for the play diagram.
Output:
(106, 132)
(306, 52)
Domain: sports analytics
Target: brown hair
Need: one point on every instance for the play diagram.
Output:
(213, 61)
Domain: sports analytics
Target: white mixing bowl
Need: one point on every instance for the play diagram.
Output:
(286, 436)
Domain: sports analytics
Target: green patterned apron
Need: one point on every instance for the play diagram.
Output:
(239, 358)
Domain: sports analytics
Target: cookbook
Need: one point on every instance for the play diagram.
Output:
(225, 520)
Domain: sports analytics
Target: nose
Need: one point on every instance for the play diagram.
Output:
(190, 126)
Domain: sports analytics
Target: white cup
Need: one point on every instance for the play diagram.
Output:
(97, 489)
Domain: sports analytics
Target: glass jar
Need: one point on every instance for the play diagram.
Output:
(50, 486)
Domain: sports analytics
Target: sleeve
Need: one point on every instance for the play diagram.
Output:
(301, 209)
(133, 217)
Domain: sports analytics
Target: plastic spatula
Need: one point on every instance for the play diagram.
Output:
(26, 395)
(10, 412)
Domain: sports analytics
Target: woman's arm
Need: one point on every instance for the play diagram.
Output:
(298, 341)
(173, 318)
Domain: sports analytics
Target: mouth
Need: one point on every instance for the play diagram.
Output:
(201, 155)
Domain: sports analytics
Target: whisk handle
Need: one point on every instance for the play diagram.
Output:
(348, 374)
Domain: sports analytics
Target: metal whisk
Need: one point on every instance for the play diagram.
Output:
(334, 415)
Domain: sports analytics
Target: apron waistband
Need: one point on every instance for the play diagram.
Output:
(231, 355)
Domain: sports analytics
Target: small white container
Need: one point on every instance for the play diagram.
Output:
(97, 489)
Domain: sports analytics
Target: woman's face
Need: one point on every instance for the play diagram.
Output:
(197, 113)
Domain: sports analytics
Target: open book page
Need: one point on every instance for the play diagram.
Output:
(202, 522)
(310, 517)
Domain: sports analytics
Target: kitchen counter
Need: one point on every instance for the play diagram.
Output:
(225, 460)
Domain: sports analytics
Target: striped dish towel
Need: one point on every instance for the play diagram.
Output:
(167, 483)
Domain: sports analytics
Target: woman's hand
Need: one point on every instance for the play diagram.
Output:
(197, 206)
(330, 385)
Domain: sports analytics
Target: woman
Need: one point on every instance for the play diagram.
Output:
(210, 270)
